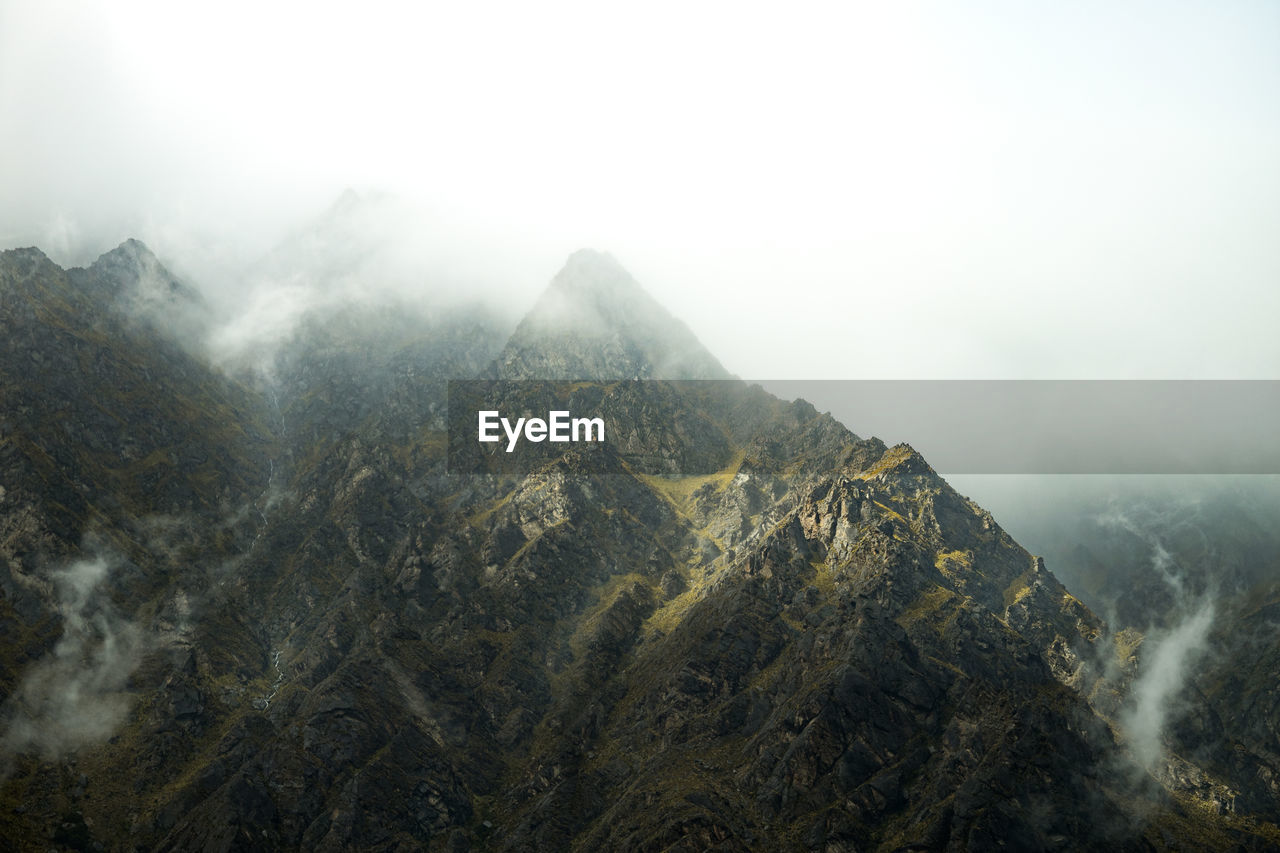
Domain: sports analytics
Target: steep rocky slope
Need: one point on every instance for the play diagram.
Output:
(1190, 575)
(113, 440)
(811, 643)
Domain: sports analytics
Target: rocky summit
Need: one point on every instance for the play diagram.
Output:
(258, 611)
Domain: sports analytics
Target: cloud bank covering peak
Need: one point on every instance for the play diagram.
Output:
(876, 191)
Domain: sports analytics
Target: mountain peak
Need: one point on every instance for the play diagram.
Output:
(133, 247)
(129, 259)
(133, 272)
(595, 321)
(591, 266)
(26, 259)
(349, 198)
(32, 253)
(595, 281)
(130, 279)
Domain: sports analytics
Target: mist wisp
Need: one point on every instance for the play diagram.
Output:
(1170, 655)
(376, 259)
(1166, 670)
(73, 696)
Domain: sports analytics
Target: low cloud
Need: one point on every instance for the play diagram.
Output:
(374, 259)
(1171, 655)
(1168, 662)
(74, 695)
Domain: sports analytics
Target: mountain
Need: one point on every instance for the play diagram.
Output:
(596, 322)
(134, 282)
(106, 419)
(246, 612)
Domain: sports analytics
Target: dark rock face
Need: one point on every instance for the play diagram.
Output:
(817, 645)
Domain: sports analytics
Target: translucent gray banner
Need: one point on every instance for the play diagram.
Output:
(1064, 426)
(960, 426)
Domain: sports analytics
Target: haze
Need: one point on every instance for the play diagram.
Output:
(878, 191)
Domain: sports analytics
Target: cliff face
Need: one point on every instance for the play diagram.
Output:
(309, 634)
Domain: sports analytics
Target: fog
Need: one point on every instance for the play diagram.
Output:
(928, 190)
(75, 695)
(1049, 514)
(1167, 668)
(1169, 657)
(370, 252)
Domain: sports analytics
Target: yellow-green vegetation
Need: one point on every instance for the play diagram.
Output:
(524, 549)
(892, 513)
(928, 607)
(478, 519)
(824, 579)
(606, 595)
(765, 677)
(951, 563)
(893, 457)
(947, 665)
(578, 630)
(679, 491)
(666, 618)
(500, 640)
(1187, 830)
(1127, 641)
(1018, 590)
(531, 485)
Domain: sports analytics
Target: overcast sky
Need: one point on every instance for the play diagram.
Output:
(895, 190)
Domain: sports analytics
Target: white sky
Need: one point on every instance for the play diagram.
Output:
(895, 190)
